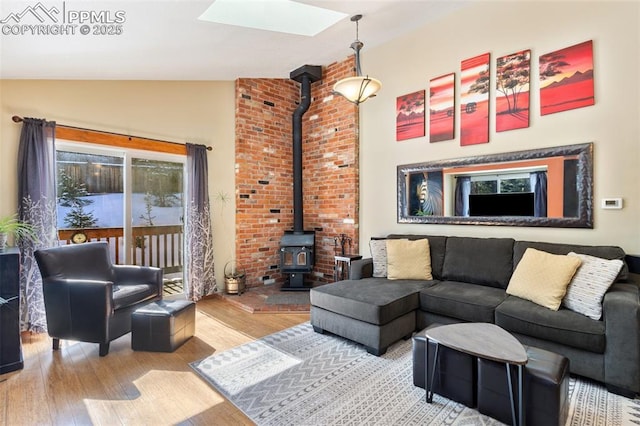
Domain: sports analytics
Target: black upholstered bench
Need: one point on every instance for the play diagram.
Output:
(455, 377)
(546, 391)
(163, 326)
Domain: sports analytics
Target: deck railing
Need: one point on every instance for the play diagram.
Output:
(159, 246)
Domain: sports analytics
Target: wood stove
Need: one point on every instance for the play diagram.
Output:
(297, 247)
(297, 257)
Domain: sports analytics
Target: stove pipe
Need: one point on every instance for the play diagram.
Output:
(305, 75)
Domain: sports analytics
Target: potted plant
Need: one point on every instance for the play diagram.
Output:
(10, 225)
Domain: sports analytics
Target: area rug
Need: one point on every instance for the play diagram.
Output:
(299, 377)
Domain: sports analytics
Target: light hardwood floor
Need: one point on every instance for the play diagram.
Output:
(74, 386)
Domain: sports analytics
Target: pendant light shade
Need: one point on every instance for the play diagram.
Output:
(359, 88)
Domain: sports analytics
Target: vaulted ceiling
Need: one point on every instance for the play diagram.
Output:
(165, 40)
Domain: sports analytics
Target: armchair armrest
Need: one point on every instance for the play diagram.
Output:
(621, 314)
(361, 268)
(129, 274)
(92, 303)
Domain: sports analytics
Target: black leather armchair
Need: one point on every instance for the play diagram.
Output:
(88, 298)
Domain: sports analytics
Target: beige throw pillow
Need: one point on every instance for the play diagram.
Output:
(408, 260)
(588, 286)
(543, 277)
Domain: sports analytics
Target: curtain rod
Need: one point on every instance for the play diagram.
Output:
(18, 119)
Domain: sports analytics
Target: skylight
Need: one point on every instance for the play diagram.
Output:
(283, 16)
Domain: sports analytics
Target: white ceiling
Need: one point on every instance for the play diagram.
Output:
(164, 40)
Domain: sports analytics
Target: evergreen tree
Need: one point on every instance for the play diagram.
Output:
(71, 194)
(78, 218)
(70, 191)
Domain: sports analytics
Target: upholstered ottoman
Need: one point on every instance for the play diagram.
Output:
(375, 312)
(456, 373)
(163, 326)
(546, 388)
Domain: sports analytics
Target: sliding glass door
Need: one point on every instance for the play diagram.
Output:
(157, 214)
(134, 200)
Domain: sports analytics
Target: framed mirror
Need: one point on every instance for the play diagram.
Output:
(550, 187)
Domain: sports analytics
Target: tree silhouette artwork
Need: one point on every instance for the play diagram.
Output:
(513, 73)
(410, 116)
(551, 65)
(512, 77)
(566, 79)
(481, 85)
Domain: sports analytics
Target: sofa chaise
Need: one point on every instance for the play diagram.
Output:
(470, 281)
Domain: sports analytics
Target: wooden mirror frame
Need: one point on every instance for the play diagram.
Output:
(584, 186)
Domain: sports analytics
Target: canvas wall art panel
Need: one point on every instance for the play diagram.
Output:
(513, 74)
(474, 100)
(410, 116)
(566, 79)
(442, 110)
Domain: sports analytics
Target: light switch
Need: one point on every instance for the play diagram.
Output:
(612, 203)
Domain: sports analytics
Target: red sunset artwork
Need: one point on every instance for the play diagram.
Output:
(410, 116)
(566, 79)
(442, 108)
(512, 91)
(474, 100)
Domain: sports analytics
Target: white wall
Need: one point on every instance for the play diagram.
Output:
(197, 112)
(500, 27)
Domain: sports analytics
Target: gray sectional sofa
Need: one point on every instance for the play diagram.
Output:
(470, 277)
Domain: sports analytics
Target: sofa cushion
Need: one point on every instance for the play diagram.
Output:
(436, 248)
(408, 260)
(373, 300)
(543, 277)
(467, 302)
(485, 261)
(564, 326)
(590, 283)
(605, 252)
(378, 249)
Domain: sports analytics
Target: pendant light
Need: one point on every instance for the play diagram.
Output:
(359, 88)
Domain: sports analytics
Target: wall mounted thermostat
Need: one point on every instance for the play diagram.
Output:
(612, 203)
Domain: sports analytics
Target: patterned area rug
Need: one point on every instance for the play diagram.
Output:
(299, 377)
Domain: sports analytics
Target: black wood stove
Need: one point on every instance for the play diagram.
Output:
(297, 246)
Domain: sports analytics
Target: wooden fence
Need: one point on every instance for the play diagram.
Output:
(159, 246)
(107, 178)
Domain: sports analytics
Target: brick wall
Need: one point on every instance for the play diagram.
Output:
(264, 175)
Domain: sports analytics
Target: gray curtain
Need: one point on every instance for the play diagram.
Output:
(199, 275)
(539, 187)
(37, 206)
(461, 201)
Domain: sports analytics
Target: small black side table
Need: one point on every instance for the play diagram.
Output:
(342, 266)
(10, 346)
